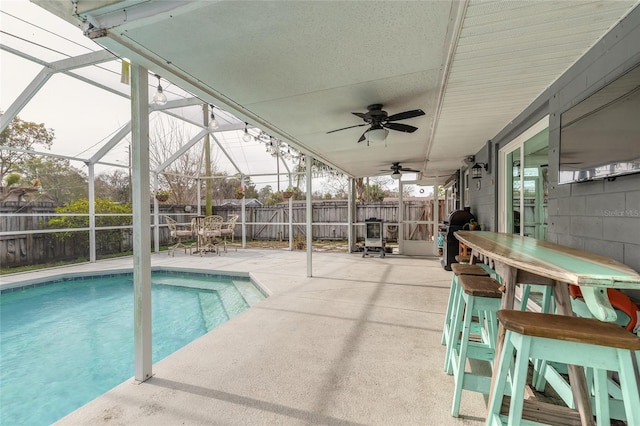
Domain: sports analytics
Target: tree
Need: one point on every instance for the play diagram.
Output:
(107, 241)
(167, 138)
(337, 185)
(114, 186)
(61, 182)
(264, 193)
(21, 135)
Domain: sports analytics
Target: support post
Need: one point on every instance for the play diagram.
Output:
(309, 219)
(350, 214)
(141, 223)
(156, 217)
(92, 213)
(290, 217)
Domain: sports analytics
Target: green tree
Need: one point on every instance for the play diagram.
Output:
(107, 241)
(61, 182)
(25, 135)
(375, 193)
(264, 193)
(274, 198)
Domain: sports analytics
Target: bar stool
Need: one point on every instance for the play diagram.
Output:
(457, 269)
(584, 342)
(478, 296)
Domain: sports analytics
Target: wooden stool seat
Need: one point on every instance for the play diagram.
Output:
(463, 258)
(464, 269)
(480, 286)
(573, 329)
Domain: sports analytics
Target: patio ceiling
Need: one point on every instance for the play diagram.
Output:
(298, 69)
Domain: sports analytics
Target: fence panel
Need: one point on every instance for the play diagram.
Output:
(262, 223)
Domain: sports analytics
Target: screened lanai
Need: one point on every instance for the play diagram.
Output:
(58, 62)
(481, 72)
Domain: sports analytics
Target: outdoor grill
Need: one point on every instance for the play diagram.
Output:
(373, 236)
(456, 222)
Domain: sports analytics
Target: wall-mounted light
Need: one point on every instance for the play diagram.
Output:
(246, 137)
(213, 123)
(476, 170)
(159, 98)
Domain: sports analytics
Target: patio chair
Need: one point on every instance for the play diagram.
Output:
(177, 235)
(209, 233)
(229, 226)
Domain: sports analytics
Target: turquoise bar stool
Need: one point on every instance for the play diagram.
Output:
(547, 305)
(457, 269)
(476, 324)
(585, 342)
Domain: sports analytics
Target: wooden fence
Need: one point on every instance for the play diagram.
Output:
(24, 246)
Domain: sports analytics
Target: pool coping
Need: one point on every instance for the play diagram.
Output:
(11, 287)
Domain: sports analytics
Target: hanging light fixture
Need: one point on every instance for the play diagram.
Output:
(246, 137)
(213, 123)
(159, 98)
(476, 170)
(396, 175)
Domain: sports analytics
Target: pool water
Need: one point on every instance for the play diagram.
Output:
(65, 343)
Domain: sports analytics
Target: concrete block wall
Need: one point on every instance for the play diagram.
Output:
(600, 216)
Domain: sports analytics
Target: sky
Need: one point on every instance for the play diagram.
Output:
(84, 117)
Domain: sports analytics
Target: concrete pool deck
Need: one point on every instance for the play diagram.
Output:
(357, 344)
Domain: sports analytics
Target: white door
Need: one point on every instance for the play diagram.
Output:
(418, 219)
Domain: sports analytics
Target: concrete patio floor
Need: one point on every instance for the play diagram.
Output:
(357, 344)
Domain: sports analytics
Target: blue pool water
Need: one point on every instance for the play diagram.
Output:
(65, 343)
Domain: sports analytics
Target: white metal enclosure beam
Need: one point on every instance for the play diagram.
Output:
(309, 161)
(45, 74)
(141, 223)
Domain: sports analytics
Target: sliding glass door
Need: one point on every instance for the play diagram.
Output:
(524, 184)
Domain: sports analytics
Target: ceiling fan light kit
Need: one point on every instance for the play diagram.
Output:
(376, 135)
(396, 170)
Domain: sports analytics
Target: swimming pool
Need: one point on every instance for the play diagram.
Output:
(63, 343)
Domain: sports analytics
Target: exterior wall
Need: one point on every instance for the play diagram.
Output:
(599, 216)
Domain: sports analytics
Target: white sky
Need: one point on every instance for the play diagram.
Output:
(85, 117)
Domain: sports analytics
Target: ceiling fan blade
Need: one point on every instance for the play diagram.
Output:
(362, 115)
(349, 127)
(405, 115)
(400, 127)
(406, 169)
(362, 138)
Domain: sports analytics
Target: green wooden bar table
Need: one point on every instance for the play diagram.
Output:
(520, 259)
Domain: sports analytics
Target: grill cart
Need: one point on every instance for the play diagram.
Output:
(373, 240)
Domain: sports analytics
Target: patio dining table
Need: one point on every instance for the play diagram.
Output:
(519, 259)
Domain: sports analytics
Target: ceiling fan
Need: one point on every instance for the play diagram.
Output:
(379, 121)
(397, 169)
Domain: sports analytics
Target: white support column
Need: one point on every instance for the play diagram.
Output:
(309, 220)
(244, 223)
(290, 217)
(141, 223)
(156, 217)
(400, 218)
(350, 210)
(92, 213)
